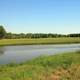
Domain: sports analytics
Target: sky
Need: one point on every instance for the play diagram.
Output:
(40, 16)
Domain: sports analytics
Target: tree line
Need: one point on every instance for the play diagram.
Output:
(6, 35)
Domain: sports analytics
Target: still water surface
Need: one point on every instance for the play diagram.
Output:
(11, 54)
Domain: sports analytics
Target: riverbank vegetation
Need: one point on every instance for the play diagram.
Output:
(57, 67)
(4, 42)
(36, 38)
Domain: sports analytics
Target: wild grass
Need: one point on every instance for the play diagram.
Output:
(63, 40)
(64, 66)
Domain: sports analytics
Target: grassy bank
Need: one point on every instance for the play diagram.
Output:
(39, 41)
(57, 67)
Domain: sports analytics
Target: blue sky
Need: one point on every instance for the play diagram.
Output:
(43, 16)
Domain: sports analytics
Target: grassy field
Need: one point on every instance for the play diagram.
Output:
(39, 41)
(64, 66)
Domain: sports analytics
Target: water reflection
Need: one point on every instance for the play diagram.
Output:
(10, 54)
(2, 49)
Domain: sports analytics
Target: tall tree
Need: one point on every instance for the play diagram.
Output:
(2, 32)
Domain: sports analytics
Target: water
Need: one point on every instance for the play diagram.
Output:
(11, 54)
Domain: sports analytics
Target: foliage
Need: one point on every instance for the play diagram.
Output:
(2, 32)
(62, 66)
(38, 35)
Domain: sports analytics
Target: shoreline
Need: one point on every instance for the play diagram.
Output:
(41, 41)
(39, 44)
(47, 65)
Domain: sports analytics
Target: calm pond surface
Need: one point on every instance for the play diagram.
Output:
(11, 54)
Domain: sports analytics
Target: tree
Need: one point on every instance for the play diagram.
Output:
(8, 35)
(2, 32)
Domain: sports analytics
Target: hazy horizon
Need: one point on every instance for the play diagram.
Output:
(40, 16)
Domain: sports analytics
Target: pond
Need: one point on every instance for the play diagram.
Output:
(18, 54)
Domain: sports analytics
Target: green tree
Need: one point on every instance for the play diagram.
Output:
(2, 32)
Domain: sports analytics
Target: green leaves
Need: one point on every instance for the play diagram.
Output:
(2, 32)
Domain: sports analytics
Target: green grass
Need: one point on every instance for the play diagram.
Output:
(64, 66)
(39, 41)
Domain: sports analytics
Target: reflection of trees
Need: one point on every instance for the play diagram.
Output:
(2, 49)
